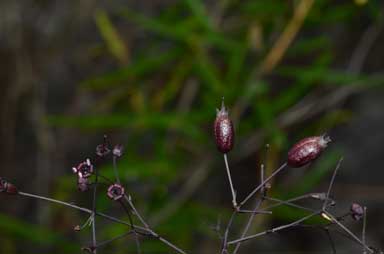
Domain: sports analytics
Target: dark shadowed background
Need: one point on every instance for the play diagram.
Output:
(150, 75)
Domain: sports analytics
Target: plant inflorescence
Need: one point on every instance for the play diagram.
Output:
(301, 154)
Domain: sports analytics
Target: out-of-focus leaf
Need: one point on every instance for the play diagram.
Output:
(134, 70)
(35, 234)
(264, 9)
(111, 36)
(186, 124)
(308, 45)
(198, 10)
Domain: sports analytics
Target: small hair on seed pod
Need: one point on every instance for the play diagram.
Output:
(357, 211)
(307, 150)
(115, 191)
(223, 130)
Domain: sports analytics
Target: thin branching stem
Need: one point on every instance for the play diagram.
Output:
(349, 232)
(364, 228)
(255, 208)
(331, 183)
(234, 202)
(115, 170)
(250, 195)
(273, 230)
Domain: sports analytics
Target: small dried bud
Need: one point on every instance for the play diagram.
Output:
(357, 211)
(224, 132)
(77, 228)
(103, 150)
(307, 150)
(118, 150)
(115, 191)
(7, 187)
(82, 183)
(89, 249)
(84, 169)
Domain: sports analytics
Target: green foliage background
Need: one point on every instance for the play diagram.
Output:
(158, 77)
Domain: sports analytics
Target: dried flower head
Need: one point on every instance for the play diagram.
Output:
(103, 150)
(7, 187)
(118, 150)
(115, 191)
(307, 150)
(357, 211)
(84, 169)
(223, 129)
(89, 249)
(82, 183)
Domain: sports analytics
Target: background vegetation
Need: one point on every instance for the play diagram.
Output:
(150, 75)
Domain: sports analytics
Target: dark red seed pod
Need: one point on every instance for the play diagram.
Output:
(357, 211)
(224, 132)
(7, 187)
(307, 150)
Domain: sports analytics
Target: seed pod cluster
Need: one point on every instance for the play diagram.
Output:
(307, 150)
(224, 132)
(7, 187)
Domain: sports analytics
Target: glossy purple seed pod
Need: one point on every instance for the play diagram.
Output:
(224, 132)
(7, 187)
(307, 150)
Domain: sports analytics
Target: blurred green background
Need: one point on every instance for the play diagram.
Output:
(150, 75)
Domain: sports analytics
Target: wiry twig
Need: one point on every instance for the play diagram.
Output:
(349, 232)
(250, 195)
(234, 203)
(256, 207)
(273, 230)
(331, 183)
(364, 227)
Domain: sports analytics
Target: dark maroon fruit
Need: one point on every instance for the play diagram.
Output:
(307, 150)
(224, 132)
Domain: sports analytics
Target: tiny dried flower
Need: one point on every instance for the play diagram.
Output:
(103, 150)
(223, 129)
(115, 191)
(118, 150)
(7, 187)
(307, 150)
(84, 169)
(357, 211)
(82, 183)
(89, 249)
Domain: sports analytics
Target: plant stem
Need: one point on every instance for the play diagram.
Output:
(230, 181)
(273, 230)
(348, 232)
(263, 183)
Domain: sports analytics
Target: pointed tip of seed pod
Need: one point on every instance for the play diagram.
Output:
(325, 139)
(222, 111)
